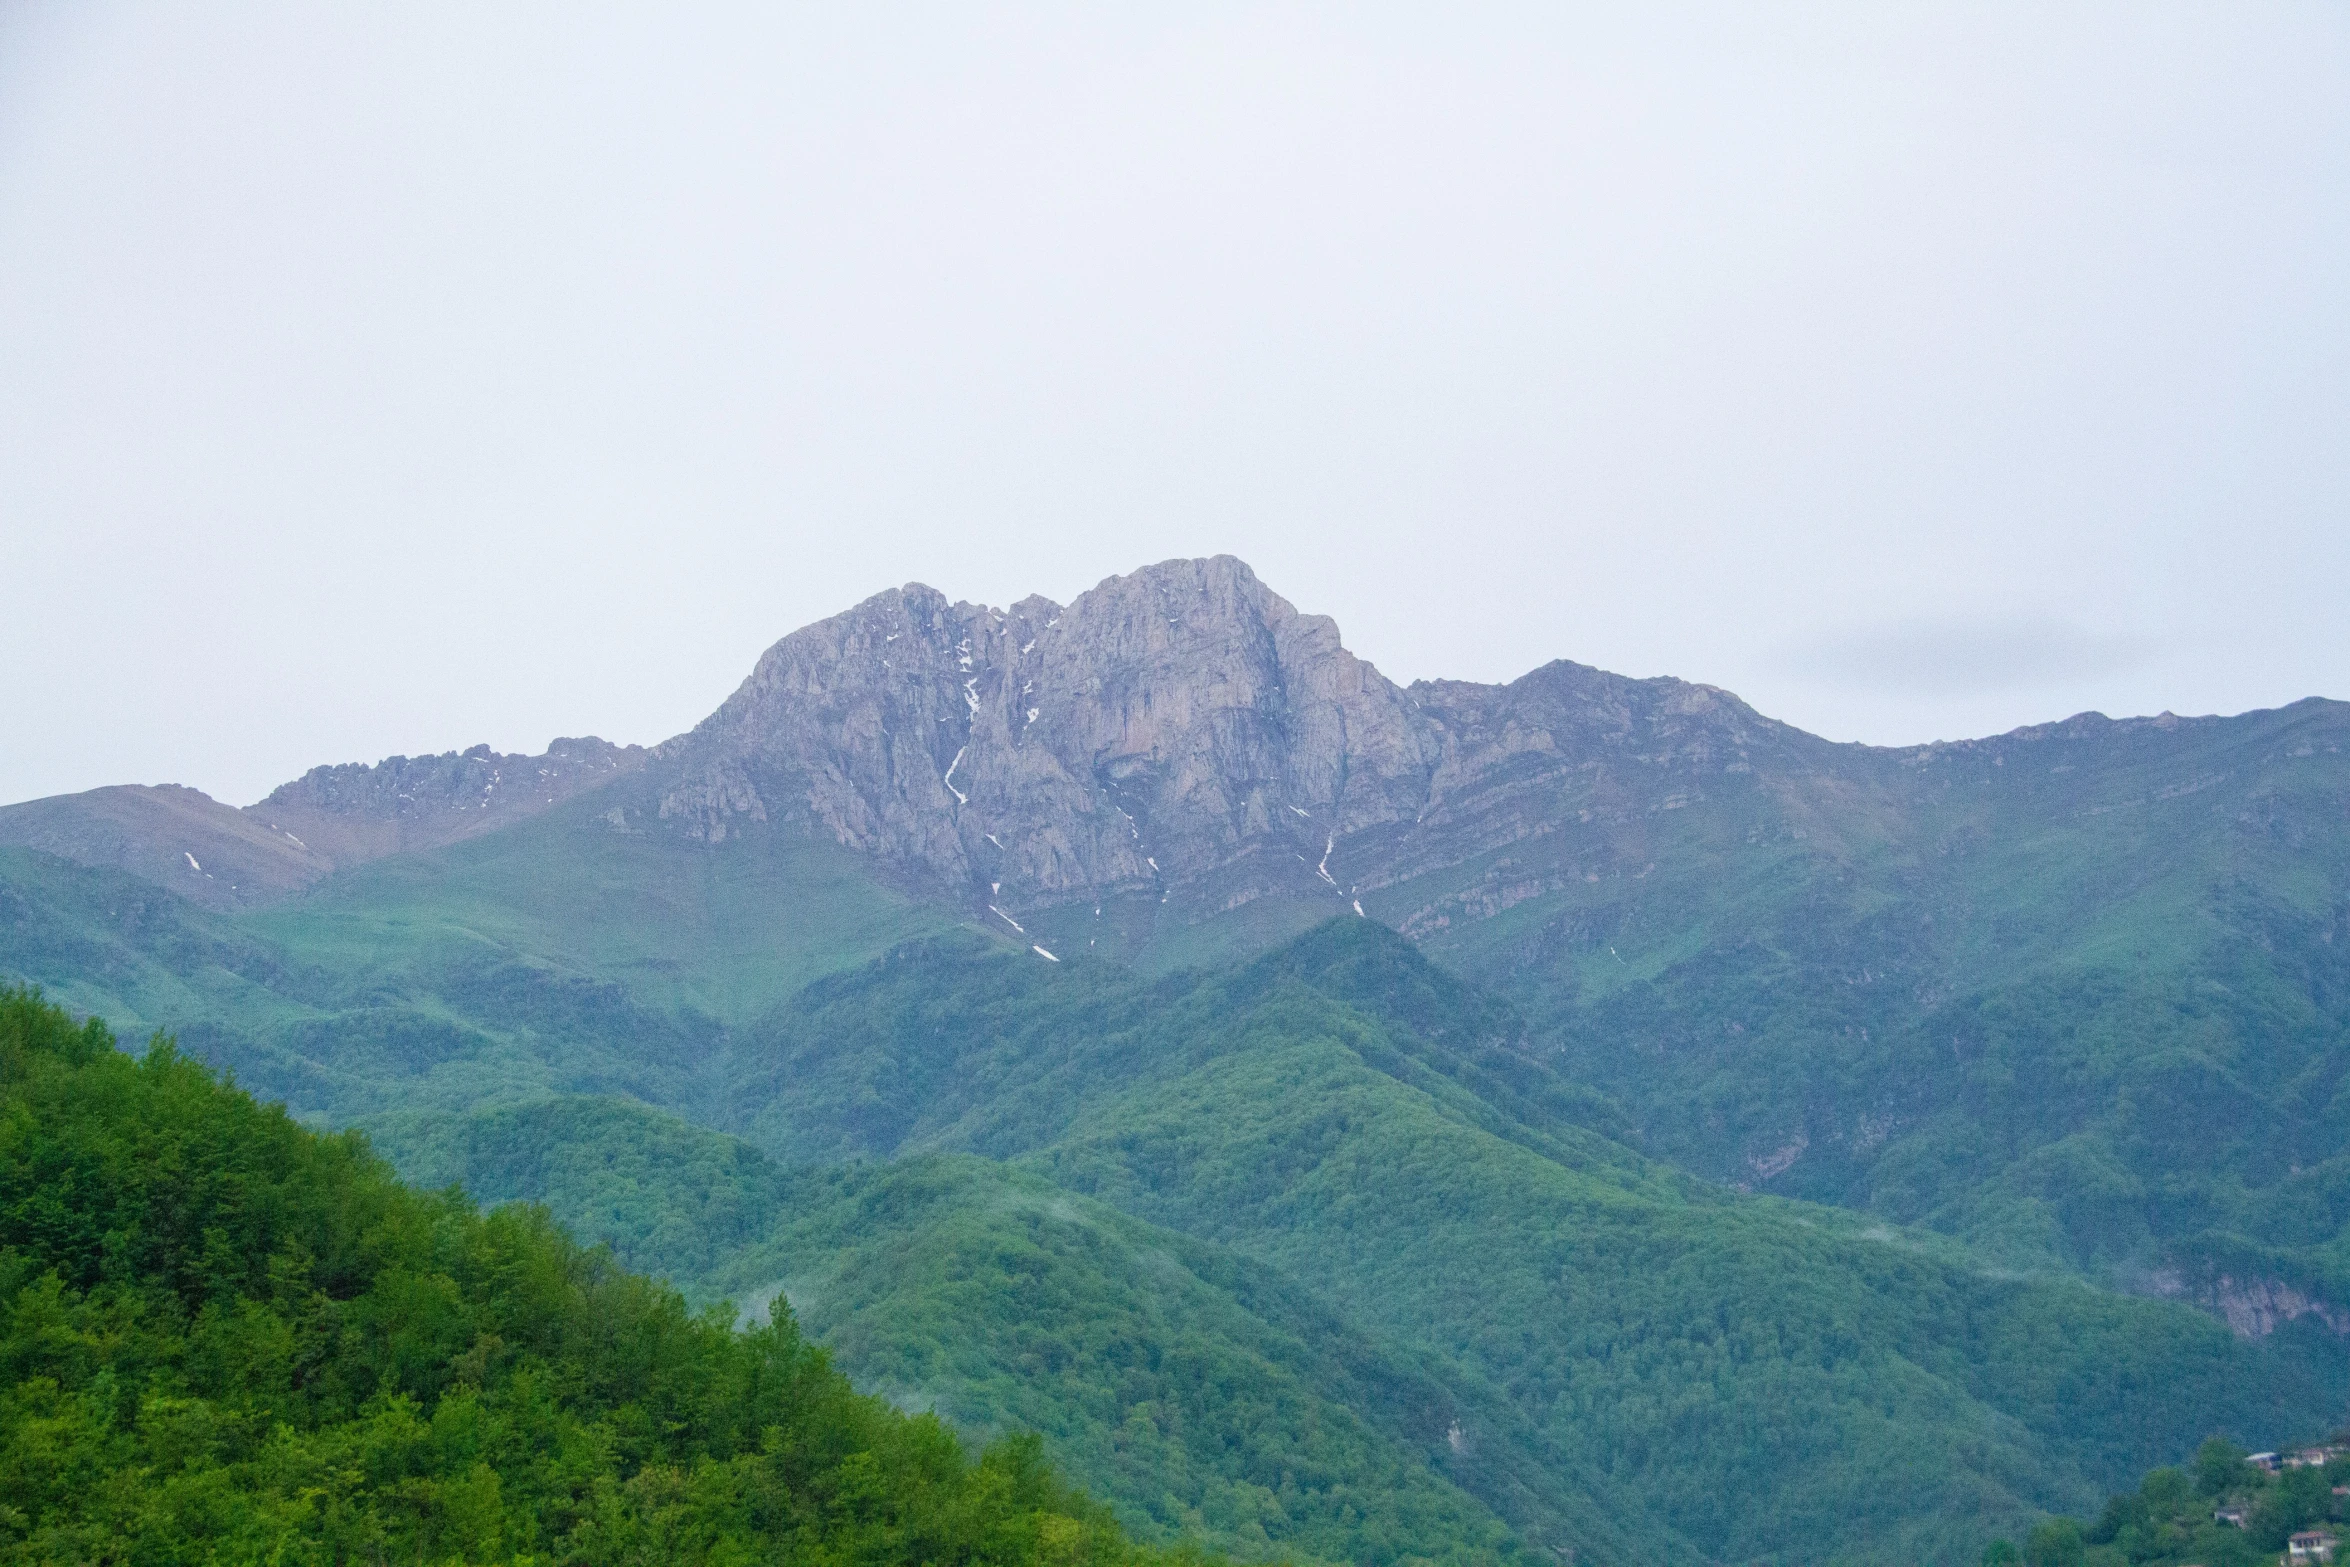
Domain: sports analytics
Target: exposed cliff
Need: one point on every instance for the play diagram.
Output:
(1183, 734)
(1176, 730)
(354, 812)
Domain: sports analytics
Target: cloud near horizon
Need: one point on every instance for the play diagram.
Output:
(1957, 657)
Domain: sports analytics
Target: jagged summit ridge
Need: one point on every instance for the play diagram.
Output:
(1182, 731)
(1152, 729)
(329, 819)
(1181, 735)
(356, 812)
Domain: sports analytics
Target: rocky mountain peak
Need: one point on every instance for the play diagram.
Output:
(1180, 735)
(417, 786)
(1162, 726)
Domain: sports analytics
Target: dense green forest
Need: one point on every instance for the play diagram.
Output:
(1207, 1396)
(1248, 1246)
(1736, 1377)
(228, 1339)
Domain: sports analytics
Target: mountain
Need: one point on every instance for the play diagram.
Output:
(1182, 732)
(1972, 1092)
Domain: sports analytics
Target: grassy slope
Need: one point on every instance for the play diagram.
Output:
(724, 930)
(563, 955)
(110, 945)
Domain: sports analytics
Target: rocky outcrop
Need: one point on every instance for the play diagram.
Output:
(1181, 728)
(2253, 1308)
(355, 812)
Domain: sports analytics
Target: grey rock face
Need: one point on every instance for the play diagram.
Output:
(1184, 733)
(356, 812)
(1572, 746)
(1179, 728)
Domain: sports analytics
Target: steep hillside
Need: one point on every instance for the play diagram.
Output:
(595, 888)
(2078, 993)
(177, 838)
(116, 946)
(1752, 1378)
(566, 955)
(223, 1338)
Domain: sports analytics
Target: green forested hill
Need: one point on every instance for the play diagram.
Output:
(226, 1339)
(1204, 1395)
(1341, 1152)
(2080, 994)
(1746, 1376)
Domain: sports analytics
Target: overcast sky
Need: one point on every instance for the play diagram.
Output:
(388, 379)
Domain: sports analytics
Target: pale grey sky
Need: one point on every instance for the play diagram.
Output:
(382, 379)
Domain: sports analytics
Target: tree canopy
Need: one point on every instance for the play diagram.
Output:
(224, 1337)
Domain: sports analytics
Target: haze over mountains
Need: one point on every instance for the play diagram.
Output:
(2054, 1024)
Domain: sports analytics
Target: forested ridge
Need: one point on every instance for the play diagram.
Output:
(1315, 1255)
(229, 1339)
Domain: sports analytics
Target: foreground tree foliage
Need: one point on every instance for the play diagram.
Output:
(2174, 1517)
(224, 1338)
